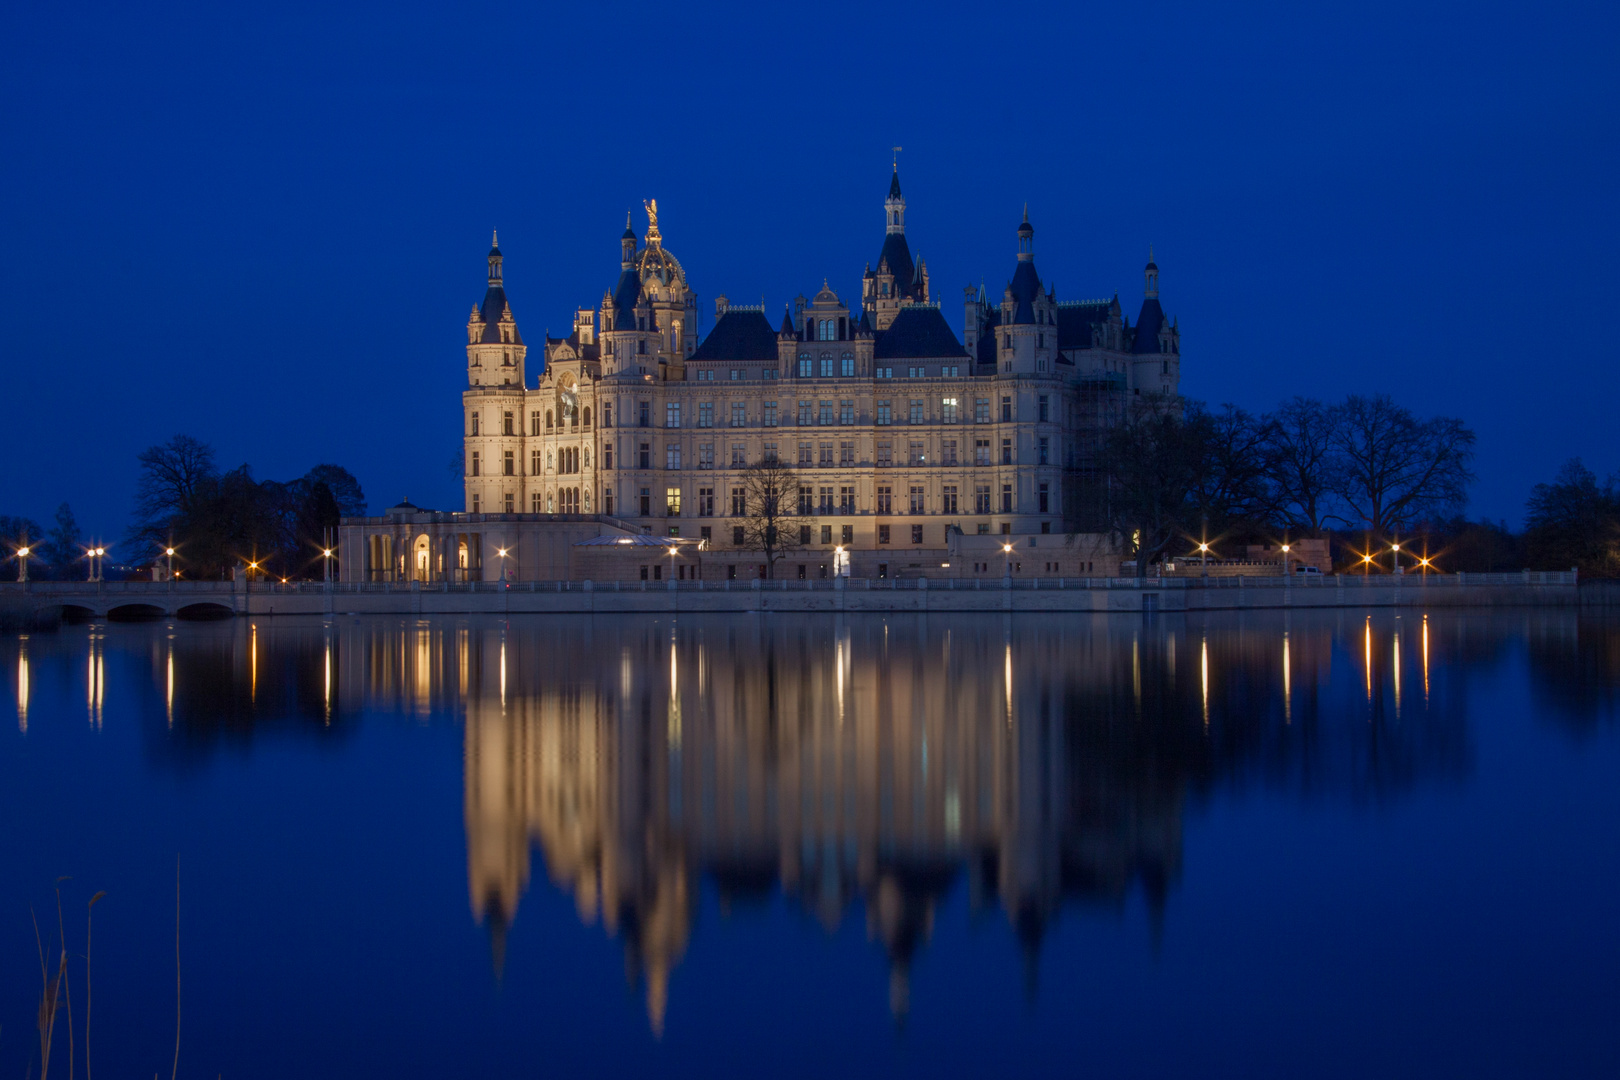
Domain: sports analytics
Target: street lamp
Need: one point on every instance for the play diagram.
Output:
(169, 551)
(1203, 559)
(1395, 548)
(1285, 561)
(326, 565)
(502, 553)
(1006, 549)
(22, 562)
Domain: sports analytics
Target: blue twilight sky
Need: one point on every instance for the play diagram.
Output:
(265, 227)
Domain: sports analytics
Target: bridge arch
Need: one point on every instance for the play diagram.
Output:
(204, 610)
(134, 612)
(77, 613)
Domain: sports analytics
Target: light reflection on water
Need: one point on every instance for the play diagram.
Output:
(862, 768)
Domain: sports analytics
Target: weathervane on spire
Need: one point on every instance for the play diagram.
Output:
(897, 150)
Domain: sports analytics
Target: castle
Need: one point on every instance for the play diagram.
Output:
(904, 439)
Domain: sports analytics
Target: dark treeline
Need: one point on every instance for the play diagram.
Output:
(219, 521)
(1363, 473)
(57, 553)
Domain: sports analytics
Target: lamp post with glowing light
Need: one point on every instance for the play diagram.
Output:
(326, 565)
(502, 553)
(1395, 551)
(1006, 550)
(169, 552)
(1203, 559)
(22, 562)
(1285, 563)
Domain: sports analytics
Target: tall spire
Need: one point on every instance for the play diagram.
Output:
(1026, 238)
(1150, 277)
(494, 259)
(627, 245)
(894, 207)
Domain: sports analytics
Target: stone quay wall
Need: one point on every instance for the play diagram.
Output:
(40, 602)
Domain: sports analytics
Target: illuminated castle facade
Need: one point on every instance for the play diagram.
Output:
(898, 430)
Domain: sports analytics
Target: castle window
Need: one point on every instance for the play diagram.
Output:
(548, 419)
(506, 423)
(641, 347)
(587, 417)
(883, 289)
(535, 465)
(1045, 413)
(475, 423)
(826, 365)
(475, 471)
(509, 503)
(848, 364)
(739, 414)
(534, 422)
(804, 366)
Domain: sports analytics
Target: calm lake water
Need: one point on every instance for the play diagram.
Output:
(1260, 844)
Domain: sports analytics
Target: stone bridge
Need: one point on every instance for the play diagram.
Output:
(40, 603)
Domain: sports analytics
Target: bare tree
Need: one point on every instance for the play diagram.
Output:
(1393, 468)
(1229, 485)
(771, 519)
(1152, 462)
(1300, 461)
(173, 474)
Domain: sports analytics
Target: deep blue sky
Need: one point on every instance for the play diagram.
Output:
(265, 228)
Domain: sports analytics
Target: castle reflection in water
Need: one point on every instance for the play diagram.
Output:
(866, 767)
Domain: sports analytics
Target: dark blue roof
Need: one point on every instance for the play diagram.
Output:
(739, 335)
(625, 294)
(894, 184)
(1148, 325)
(490, 312)
(915, 333)
(1076, 323)
(1026, 286)
(987, 338)
(898, 254)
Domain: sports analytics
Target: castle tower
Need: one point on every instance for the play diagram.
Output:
(1028, 332)
(493, 400)
(898, 278)
(1156, 344)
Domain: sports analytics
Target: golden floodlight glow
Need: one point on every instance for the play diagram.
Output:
(327, 553)
(1006, 547)
(168, 551)
(23, 552)
(501, 552)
